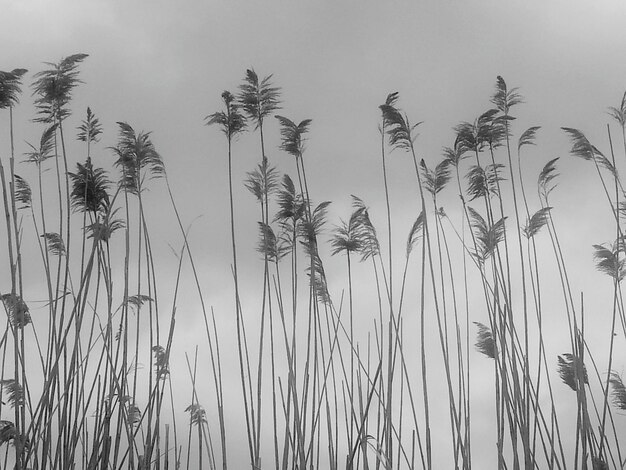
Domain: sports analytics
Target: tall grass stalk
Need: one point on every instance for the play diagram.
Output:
(232, 123)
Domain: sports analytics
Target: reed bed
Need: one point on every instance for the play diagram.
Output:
(351, 350)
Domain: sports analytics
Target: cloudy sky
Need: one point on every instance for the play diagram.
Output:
(161, 66)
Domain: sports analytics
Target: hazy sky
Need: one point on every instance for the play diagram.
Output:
(162, 65)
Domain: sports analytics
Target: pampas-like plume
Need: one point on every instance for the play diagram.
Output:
(271, 246)
(346, 237)
(53, 88)
(370, 246)
(90, 129)
(17, 310)
(505, 99)
(89, 188)
(546, 177)
(567, 367)
(197, 414)
(528, 137)
(134, 413)
(487, 237)
(290, 204)
(581, 147)
(415, 233)
(619, 114)
(618, 394)
(492, 173)
(103, 229)
(608, 260)
(7, 431)
(309, 230)
(10, 87)
(390, 102)
(292, 135)
(455, 154)
(137, 301)
(161, 361)
(484, 341)
(137, 158)
(536, 221)
(55, 244)
(435, 180)
(291, 210)
(46, 147)
(22, 192)
(401, 133)
(258, 99)
(318, 281)
(497, 131)
(231, 121)
(484, 181)
(263, 180)
(14, 391)
(605, 163)
(474, 136)
(392, 99)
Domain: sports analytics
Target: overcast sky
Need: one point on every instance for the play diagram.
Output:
(161, 66)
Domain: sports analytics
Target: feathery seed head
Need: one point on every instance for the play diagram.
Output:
(262, 181)
(505, 99)
(89, 188)
(581, 147)
(485, 343)
(528, 137)
(10, 87)
(435, 180)
(546, 178)
(231, 121)
(609, 261)
(15, 392)
(346, 237)
(619, 114)
(401, 133)
(293, 136)
(53, 88)
(369, 245)
(415, 233)
(536, 221)
(17, 310)
(258, 100)
(90, 129)
(103, 229)
(46, 147)
(618, 392)
(568, 368)
(487, 236)
(137, 158)
(197, 414)
(55, 244)
(485, 130)
(161, 361)
(22, 192)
